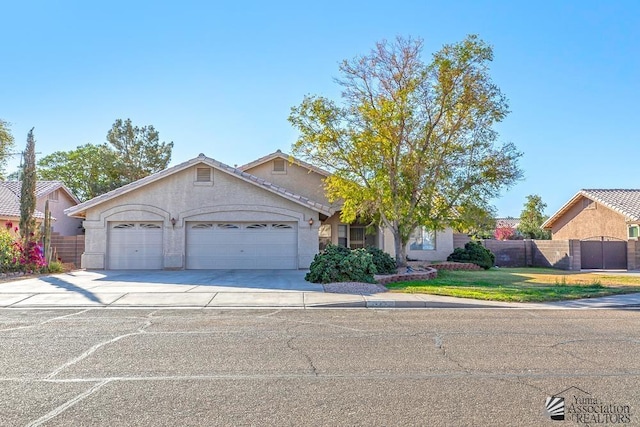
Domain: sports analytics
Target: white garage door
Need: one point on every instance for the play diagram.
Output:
(135, 246)
(243, 246)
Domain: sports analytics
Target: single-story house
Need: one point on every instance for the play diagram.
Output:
(59, 197)
(596, 214)
(604, 220)
(507, 222)
(202, 214)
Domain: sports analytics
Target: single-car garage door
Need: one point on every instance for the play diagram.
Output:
(244, 246)
(135, 246)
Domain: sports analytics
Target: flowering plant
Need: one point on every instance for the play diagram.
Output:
(17, 255)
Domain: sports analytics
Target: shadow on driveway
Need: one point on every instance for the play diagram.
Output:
(276, 280)
(59, 283)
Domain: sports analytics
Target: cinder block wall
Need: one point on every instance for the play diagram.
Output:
(459, 240)
(509, 253)
(633, 255)
(68, 248)
(561, 254)
(555, 253)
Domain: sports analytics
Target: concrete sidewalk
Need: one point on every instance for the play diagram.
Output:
(219, 289)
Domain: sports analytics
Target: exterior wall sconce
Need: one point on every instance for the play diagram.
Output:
(310, 222)
(173, 222)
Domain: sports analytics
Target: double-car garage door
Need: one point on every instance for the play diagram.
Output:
(209, 245)
(241, 245)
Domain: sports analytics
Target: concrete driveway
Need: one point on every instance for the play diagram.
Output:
(192, 288)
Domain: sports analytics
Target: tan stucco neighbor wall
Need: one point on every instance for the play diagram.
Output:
(593, 221)
(179, 196)
(62, 224)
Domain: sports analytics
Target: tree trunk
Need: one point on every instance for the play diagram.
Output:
(401, 253)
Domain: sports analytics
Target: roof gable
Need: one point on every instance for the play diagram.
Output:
(626, 202)
(43, 188)
(280, 155)
(79, 209)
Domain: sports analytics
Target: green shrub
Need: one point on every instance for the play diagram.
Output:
(383, 261)
(55, 267)
(475, 253)
(9, 252)
(340, 264)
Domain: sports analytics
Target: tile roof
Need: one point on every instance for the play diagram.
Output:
(79, 209)
(10, 205)
(624, 201)
(42, 188)
(507, 222)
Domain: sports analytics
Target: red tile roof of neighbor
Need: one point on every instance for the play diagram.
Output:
(10, 204)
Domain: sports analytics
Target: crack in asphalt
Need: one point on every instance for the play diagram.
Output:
(93, 349)
(68, 404)
(290, 345)
(44, 322)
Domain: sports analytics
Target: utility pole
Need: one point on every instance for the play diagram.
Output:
(21, 154)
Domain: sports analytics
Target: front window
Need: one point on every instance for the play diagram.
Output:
(422, 239)
(634, 231)
(324, 235)
(342, 235)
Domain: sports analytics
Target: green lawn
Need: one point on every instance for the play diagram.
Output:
(521, 284)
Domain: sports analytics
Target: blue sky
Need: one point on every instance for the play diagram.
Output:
(220, 77)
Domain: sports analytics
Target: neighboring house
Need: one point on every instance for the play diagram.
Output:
(508, 222)
(59, 196)
(603, 220)
(202, 214)
(596, 214)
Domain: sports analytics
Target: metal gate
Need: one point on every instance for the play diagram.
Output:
(603, 254)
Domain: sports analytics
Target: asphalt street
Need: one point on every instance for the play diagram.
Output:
(201, 367)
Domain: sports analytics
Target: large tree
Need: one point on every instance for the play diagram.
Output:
(475, 220)
(28, 191)
(139, 149)
(410, 141)
(6, 145)
(532, 217)
(89, 170)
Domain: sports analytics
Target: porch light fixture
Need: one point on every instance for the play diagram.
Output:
(173, 222)
(310, 222)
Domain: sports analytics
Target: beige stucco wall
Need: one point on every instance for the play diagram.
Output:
(385, 241)
(444, 246)
(62, 224)
(580, 223)
(297, 179)
(179, 196)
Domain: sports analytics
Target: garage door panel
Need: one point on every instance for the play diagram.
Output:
(135, 245)
(242, 246)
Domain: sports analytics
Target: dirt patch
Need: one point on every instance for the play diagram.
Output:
(357, 288)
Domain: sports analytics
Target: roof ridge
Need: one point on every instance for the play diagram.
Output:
(246, 176)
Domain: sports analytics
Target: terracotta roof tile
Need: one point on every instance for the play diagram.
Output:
(625, 202)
